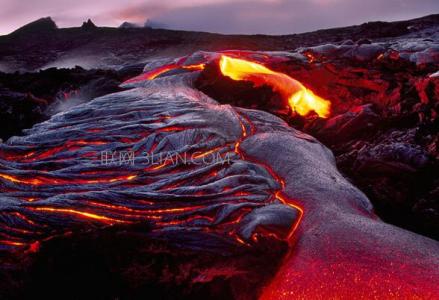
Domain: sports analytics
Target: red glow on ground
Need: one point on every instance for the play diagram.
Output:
(346, 279)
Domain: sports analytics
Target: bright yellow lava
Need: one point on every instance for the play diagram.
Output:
(301, 100)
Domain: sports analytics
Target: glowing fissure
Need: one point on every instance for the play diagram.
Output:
(163, 69)
(81, 213)
(143, 211)
(53, 181)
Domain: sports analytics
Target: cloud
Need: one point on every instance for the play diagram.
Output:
(284, 16)
(139, 13)
(225, 16)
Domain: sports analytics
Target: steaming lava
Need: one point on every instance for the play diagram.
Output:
(197, 229)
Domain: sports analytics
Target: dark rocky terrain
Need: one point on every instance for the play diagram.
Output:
(382, 80)
(29, 98)
(41, 44)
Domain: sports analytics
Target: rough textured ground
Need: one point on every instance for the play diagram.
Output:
(212, 224)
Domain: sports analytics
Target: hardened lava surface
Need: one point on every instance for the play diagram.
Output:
(171, 159)
(164, 156)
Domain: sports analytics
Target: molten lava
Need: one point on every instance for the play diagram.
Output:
(301, 100)
(163, 69)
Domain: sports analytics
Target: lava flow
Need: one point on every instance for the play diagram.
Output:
(156, 72)
(301, 100)
(115, 162)
(60, 185)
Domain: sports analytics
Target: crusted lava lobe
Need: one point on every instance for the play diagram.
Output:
(209, 218)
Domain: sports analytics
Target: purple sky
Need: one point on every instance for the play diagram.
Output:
(225, 16)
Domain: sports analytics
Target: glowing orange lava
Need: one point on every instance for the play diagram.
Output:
(163, 69)
(81, 213)
(300, 99)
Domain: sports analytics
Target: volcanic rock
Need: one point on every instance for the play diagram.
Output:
(355, 123)
(29, 98)
(89, 25)
(128, 25)
(19, 111)
(39, 26)
(219, 229)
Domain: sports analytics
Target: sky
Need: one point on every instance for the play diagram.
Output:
(223, 16)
